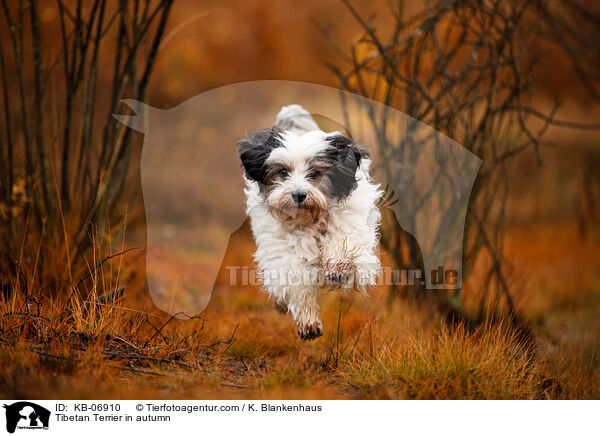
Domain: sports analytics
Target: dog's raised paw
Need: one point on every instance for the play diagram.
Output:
(311, 331)
(335, 276)
(338, 278)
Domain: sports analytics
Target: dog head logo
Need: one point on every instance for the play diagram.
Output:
(26, 415)
(193, 185)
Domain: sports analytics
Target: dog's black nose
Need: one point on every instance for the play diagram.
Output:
(299, 196)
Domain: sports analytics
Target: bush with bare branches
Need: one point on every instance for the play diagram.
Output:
(465, 68)
(65, 160)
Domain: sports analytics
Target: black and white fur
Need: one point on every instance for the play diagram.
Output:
(313, 212)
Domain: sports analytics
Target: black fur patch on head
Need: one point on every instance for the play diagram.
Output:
(346, 157)
(255, 150)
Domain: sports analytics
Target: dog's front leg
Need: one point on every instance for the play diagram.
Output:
(296, 287)
(302, 303)
(337, 261)
(348, 263)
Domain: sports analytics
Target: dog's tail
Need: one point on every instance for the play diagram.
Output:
(295, 118)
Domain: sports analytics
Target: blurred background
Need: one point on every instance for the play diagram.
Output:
(516, 84)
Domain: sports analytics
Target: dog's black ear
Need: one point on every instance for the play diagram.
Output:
(346, 145)
(347, 155)
(255, 150)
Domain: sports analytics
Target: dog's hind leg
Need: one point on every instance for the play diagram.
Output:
(281, 307)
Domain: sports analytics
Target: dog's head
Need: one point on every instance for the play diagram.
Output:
(301, 175)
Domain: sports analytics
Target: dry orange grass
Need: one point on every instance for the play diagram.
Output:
(244, 348)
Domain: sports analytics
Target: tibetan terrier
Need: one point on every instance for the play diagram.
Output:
(313, 211)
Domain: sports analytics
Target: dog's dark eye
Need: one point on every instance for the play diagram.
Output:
(283, 172)
(313, 175)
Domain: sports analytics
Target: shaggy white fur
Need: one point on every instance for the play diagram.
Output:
(313, 211)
